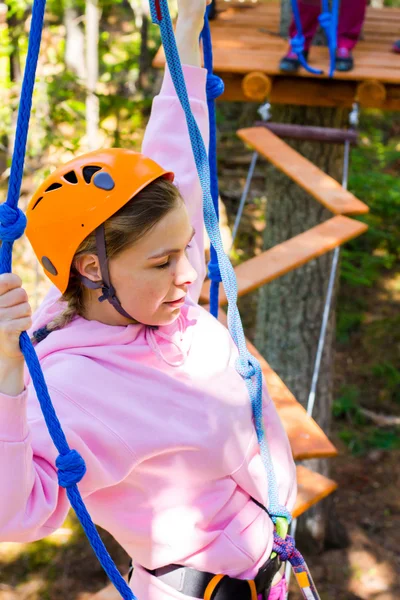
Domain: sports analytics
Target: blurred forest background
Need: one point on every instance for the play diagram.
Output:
(95, 85)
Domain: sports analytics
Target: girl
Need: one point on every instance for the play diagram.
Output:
(142, 377)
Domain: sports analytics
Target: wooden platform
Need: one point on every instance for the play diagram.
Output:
(321, 186)
(289, 255)
(245, 41)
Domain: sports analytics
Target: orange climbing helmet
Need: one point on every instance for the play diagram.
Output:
(77, 198)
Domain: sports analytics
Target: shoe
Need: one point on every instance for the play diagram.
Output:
(290, 63)
(344, 60)
(396, 47)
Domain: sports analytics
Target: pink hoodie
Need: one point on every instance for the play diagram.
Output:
(161, 418)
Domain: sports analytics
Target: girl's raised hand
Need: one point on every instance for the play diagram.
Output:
(15, 316)
(192, 11)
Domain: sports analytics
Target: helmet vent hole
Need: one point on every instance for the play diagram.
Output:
(54, 186)
(71, 177)
(37, 202)
(89, 171)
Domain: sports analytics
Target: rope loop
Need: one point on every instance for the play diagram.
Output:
(213, 271)
(12, 223)
(215, 86)
(287, 551)
(71, 468)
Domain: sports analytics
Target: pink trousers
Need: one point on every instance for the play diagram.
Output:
(351, 18)
(147, 587)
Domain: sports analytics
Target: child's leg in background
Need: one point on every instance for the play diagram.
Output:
(309, 13)
(351, 20)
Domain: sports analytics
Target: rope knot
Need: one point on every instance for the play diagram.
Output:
(325, 20)
(297, 43)
(12, 223)
(213, 271)
(71, 468)
(215, 86)
(245, 367)
(287, 551)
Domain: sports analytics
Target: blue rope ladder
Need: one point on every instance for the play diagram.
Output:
(70, 465)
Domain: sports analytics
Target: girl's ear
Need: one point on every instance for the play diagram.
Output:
(88, 265)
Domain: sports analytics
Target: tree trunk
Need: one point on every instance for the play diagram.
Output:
(14, 31)
(92, 67)
(290, 309)
(74, 42)
(286, 17)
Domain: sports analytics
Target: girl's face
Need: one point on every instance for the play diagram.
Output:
(151, 278)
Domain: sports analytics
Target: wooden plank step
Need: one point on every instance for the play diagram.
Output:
(321, 186)
(289, 255)
(307, 439)
(311, 489)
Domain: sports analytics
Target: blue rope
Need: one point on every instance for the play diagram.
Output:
(246, 365)
(297, 42)
(329, 22)
(215, 87)
(71, 466)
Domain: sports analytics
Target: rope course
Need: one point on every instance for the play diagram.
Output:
(71, 466)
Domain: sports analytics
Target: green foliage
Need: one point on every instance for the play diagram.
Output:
(361, 441)
(389, 377)
(374, 179)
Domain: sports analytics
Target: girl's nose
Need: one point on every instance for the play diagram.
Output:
(185, 273)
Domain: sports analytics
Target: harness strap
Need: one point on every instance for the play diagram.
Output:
(212, 586)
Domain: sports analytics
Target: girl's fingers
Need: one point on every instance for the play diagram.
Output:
(11, 313)
(9, 281)
(17, 326)
(11, 298)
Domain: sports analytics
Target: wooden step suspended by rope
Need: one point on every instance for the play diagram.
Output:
(290, 255)
(311, 489)
(307, 440)
(314, 181)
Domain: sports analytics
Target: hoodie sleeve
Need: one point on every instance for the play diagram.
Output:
(32, 504)
(167, 142)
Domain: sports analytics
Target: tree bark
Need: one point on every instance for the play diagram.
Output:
(290, 309)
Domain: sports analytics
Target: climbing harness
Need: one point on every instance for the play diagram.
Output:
(71, 466)
(329, 22)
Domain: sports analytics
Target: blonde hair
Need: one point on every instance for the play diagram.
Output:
(122, 230)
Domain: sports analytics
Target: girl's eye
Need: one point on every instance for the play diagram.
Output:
(163, 266)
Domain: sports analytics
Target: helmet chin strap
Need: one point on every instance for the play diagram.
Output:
(105, 284)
